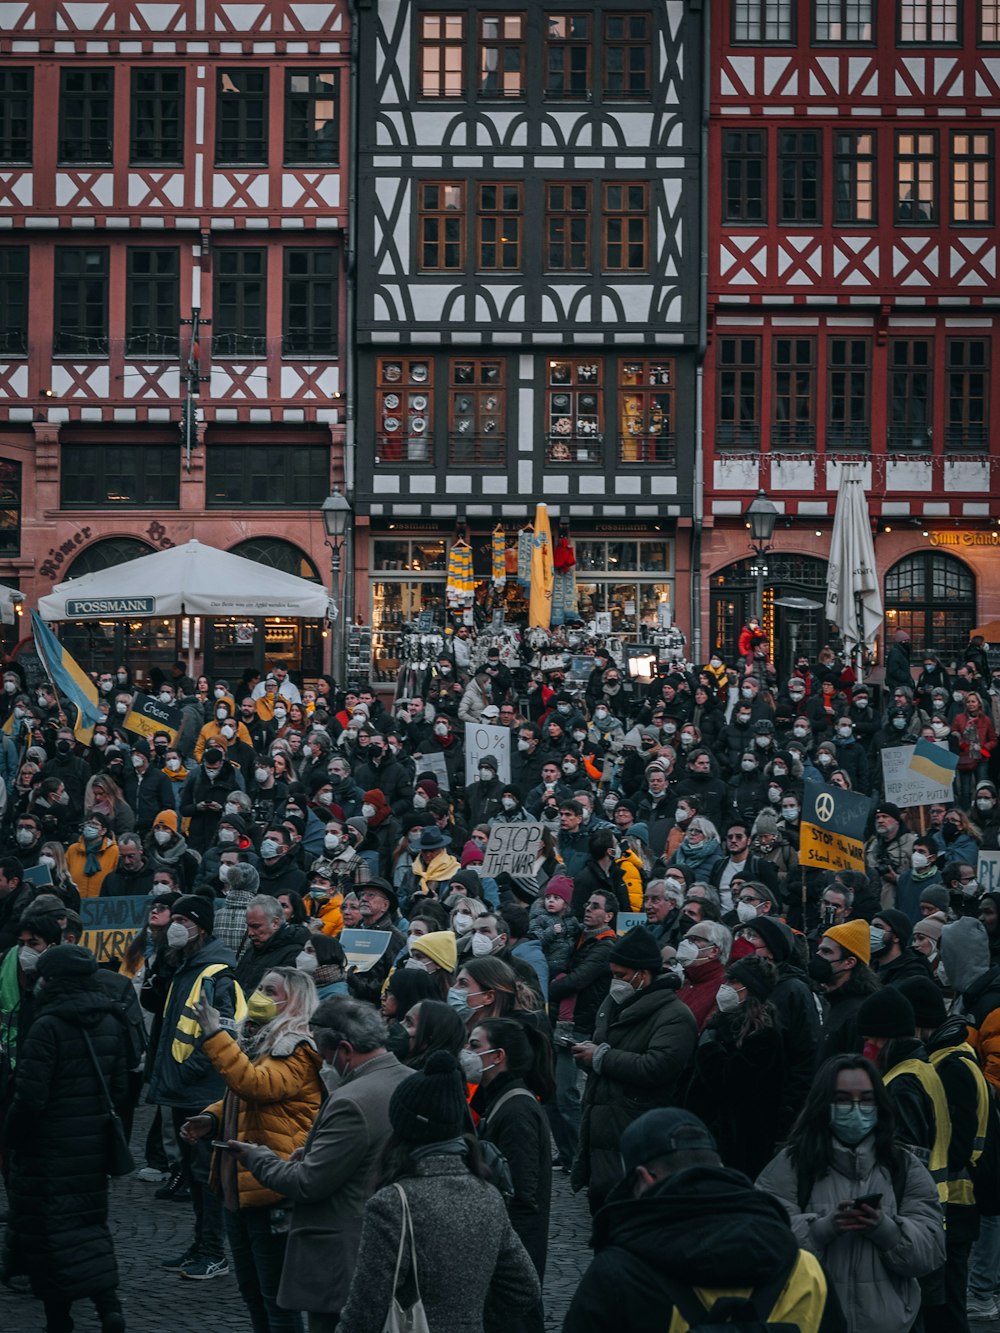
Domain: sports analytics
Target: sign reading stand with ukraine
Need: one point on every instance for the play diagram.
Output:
(833, 828)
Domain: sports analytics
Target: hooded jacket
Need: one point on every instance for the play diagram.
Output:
(704, 1228)
(965, 957)
(192, 1082)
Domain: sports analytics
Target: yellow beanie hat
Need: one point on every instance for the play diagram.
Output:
(440, 946)
(854, 937)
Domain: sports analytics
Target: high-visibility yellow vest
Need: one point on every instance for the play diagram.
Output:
(960, 1189)
(930, 1080)
(188, 1029)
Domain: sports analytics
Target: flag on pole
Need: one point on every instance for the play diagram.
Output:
(540, 601)
(68, 679)
(934, 761)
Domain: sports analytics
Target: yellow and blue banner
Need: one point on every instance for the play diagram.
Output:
(934, 761)
(68, 678)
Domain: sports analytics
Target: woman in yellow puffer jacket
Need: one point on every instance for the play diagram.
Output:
(274, 1090)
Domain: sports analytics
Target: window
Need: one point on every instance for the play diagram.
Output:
(157, 115)
(989, 21)
(16, 86)
(854, 176)
(135, 476)
(744, 175)
(933, 597)
(799, 169)
(442, 55)
(626, 227)
(646, 410)
(972, 177)
(441, 225)
(793, 421)
(10, 507)
(849, 362)
(152, 302)
(574, 412)
(81, 304)
(762, 21)
(476, 412)
(928, 20)
(501, 55)
(312, 116)
(241, 119)
(843, 21)
(239, 314)
(310, 308)
(499, 220)
(910, 377)
(269, 476)
(738, 378)
(85, 115)
(968, 402)
(567, 227)
(632, 580)
(916, 177)
(628, 55)
(567, 55)
(14, 300)
(404, 410)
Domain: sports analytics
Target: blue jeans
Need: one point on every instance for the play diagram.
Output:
(564, 1110)
(258, 1255)
(984, 1261)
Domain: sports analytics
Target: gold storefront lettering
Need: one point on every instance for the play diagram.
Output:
(965, 539)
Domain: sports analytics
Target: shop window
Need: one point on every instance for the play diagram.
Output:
(646, 404)
(567, 226)
(157, 116)
(626, 227)
(239, 315)
(854, 176)
(442, 55)
(10, 507)
(916, 178)
(610, 579)
(567, 56)
(628, 55)
(266, 476)
(81, 302)
(843, 20)
(14, 300)
(241, 117)
(799, 176)
(477, 419)
(849, 375)
(910, 385)
(310, 304)
(501, 60)
(763, 21)
(574, 412)
(396, 602)
(928, 21)
(126, 476)
(312, 116)
(404, 410)
(794, 392)
(441, 224)
(152, 302)
(86, 115)
(744, 176)
(278, 554)
(968, 394)
(738, 372)
(499, 226)
(16, 88)
(933, 597)
(972, 178)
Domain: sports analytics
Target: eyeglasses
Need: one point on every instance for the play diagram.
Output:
(866, 1099)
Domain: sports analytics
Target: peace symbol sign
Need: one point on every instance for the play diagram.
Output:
(824, 807)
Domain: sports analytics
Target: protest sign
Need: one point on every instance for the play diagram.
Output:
(988, 871)
(832, 830)
(435, 764)
(39, 875)
(364, 947)
(905, 786)
(626, 921)
(480, 741)
(110, 925)
(147, 716)
(512, 848)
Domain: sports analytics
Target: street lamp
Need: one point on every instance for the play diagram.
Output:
(336, 519)
(761, 516)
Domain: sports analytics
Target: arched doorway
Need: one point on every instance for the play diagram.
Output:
(794, 596)
(933, 597)
(233, 644)
(102, 645)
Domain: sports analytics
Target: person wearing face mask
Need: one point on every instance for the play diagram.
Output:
(483, 797)
(240, 884)
(380, 769)
(893, 959)
(701, 780)
(223, 720)
(922, 874)
(644, 1038)
(182, 1078)
(985, 814)
(203, 797)
(888, 851)
(842, 1150)
(840, 967)
(145, 787)
(444, 740)
(93, 856)
(72, 771)
(167, 849)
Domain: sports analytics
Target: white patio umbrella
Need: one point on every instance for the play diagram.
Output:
(853, 596)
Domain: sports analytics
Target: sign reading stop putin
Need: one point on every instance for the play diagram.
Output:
(832, 833)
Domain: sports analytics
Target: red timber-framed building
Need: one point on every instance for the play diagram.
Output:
(853, 306)
(158, 160)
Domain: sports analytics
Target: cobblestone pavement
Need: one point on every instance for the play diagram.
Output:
(147, 1230)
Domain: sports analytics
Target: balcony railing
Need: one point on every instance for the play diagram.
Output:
(793, 435)
(742, 435)
(575, 450)
(476, 451)
(658, 450)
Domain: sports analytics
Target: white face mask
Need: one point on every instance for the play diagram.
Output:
(306, 962)
(331, 841)
(27, 958)
(229, 731)
(325, 797)
(748, 765)
(224, 869)
(481, 945)
(746, 912)
(523, 745)
(177, 935)
(49, 861)
(173, 765)
(687, 953)
(138, 761)
(620, 990)
(727, 999)
(985, 803)
(166, 698)
(800, 732)
(486, 775)
(462, 921)
(508, 802)
(367, 811)
(162, 836)
(227, 835)
(774, 793)
(419, 800)
(920, 860)
(269, 848)
(261, 774)
(440, 729)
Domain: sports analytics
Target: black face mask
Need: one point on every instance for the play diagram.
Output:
(949, 832)
(821, 969)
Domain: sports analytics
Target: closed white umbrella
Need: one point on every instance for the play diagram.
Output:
(853, 596)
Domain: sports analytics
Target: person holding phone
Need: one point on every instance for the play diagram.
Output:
(866, 1207)
(271, 1069)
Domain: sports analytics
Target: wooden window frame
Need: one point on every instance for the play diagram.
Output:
(736, 161)
(577, 380)
(971, 158)
(17, 114)
(444, 43)
(240, 334)
(503, 45)
(86, 283)
(15, 299)
(848, 382)
(237, 143)
(566, 218)
(924, 162)
(477, 411)
(155, 468)
(988, 23)
(96, 109)
(738, 432)
(903, 375)
(316, 293)
(965, 429)
(302, 146)
(762, 20)
(647, 411)
(634, 222)
(845, 20)
(160, 106)
(848, 155)
(439, 215)
(148, 333)
(498, 218)
(629, 46)
(908, 12)
(404, 394)
(793, 383)
(265, 476)
(794, 163)
(571, 46)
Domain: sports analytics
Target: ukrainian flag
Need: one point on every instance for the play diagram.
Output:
(68, 677)
(934, 761)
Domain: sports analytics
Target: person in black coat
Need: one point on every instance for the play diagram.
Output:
(381, 770)
(57, 1136)
(702, 782)
(203, 798)
(271, 942)
(893, 959)
(146, 789)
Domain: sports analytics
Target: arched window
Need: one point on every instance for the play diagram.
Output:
(278, 555)
(104, 554)
(794, 594)
(933, 597)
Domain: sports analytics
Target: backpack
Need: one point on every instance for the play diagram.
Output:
(733, 1314)
(495, 1160)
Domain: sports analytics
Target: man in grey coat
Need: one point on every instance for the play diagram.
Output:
(329, 1180)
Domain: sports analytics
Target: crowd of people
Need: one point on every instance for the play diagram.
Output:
(779, 1085)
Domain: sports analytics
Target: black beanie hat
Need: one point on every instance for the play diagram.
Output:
(637, 949)
(196, 908)
(898, 922)
(776, 935)
(756, 974)
(887, 807)
(927, 1001)
(887, 1013)
(66, 961)
(430, 1106)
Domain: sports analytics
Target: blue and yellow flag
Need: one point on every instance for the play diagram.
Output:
(68, 677)
(934, 761)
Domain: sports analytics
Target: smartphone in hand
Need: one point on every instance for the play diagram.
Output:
(867, 1201)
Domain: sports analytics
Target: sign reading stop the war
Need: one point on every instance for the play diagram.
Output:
(513, 848)
(482, 740)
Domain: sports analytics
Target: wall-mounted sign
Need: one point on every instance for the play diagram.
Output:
(959, 538)
(79, 608)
